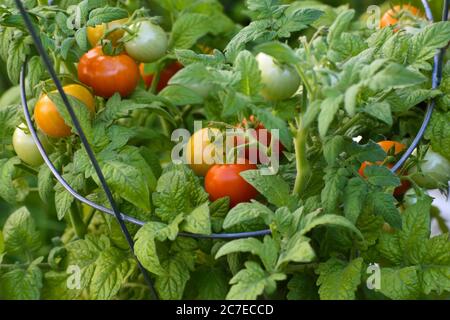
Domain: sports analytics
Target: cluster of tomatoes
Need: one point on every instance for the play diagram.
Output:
(223, 179)
(104, 75)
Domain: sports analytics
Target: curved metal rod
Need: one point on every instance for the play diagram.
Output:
(436, 80)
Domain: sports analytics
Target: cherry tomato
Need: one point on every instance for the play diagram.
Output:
(25, 147)
(164, 76)
(434, 171)
(149, 43)
(391, 16)
(225, 181)
(95, 34)
(259, 132)
(47, 116)
(395, 148)
(108, 74)
(201, 150)
(280, 82)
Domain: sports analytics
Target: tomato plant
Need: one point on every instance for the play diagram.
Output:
(148, 44)
(307, 223)
(224, 181)
(108, 74)
(47, 116)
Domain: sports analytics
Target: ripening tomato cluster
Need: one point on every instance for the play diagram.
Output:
(224, 180)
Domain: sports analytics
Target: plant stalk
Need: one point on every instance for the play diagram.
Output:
(301, 160)
(77, 221)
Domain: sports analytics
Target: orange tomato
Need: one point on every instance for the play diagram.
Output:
(391, 16)
(108, 74)
(95, 34)
(48, 118)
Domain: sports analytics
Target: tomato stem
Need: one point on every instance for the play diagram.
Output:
(77, 221)
(301, 160)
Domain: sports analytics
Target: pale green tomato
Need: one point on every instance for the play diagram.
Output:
(279, 82)
(435, 171)
(149, 44)
(25, 147)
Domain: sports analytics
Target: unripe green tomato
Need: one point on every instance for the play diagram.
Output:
(149, 43)
(279, 82)
(25, 147)
(410, 198)
(435, 171)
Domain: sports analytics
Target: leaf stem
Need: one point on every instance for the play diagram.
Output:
(348, 125)
(301, 160)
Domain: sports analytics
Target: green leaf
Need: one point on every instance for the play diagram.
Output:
(20, 284)
(7, 173)
(381, 176)
(16, 58)
(55, 287)
(302, 287)
(355, 195)
(247, 211)
(307, 224)
(178, 191)
(338, 280)
(106, 14)
(198, 221)
(350, 98)
(427, 41)
(209, 283)
(112, 269)
(84, 253)
(335, 182)
(2, 243)
(328, 110)
(187, 57)
(399, 284)
(416, 228)
(252, 281)
(273, 187)
(20, 233)
(394, 76)
(145, 242)
(180, 95)
(267, 251)
(340, 24)
(380, 111)
(128, 181)
(438, 132)
(170, 285)
(187, 29)
(246, 64)
(384, 204)
(435, 263)
(297, 20)
(297, 249)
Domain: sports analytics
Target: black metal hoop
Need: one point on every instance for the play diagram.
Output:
(436, 75)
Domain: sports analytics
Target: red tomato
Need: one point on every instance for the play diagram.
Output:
(225, 181)
(108, 74)
(259, 134)
(388, 147)
(164, 77)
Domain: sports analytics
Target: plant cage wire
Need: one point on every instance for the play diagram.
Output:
(121, 217)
